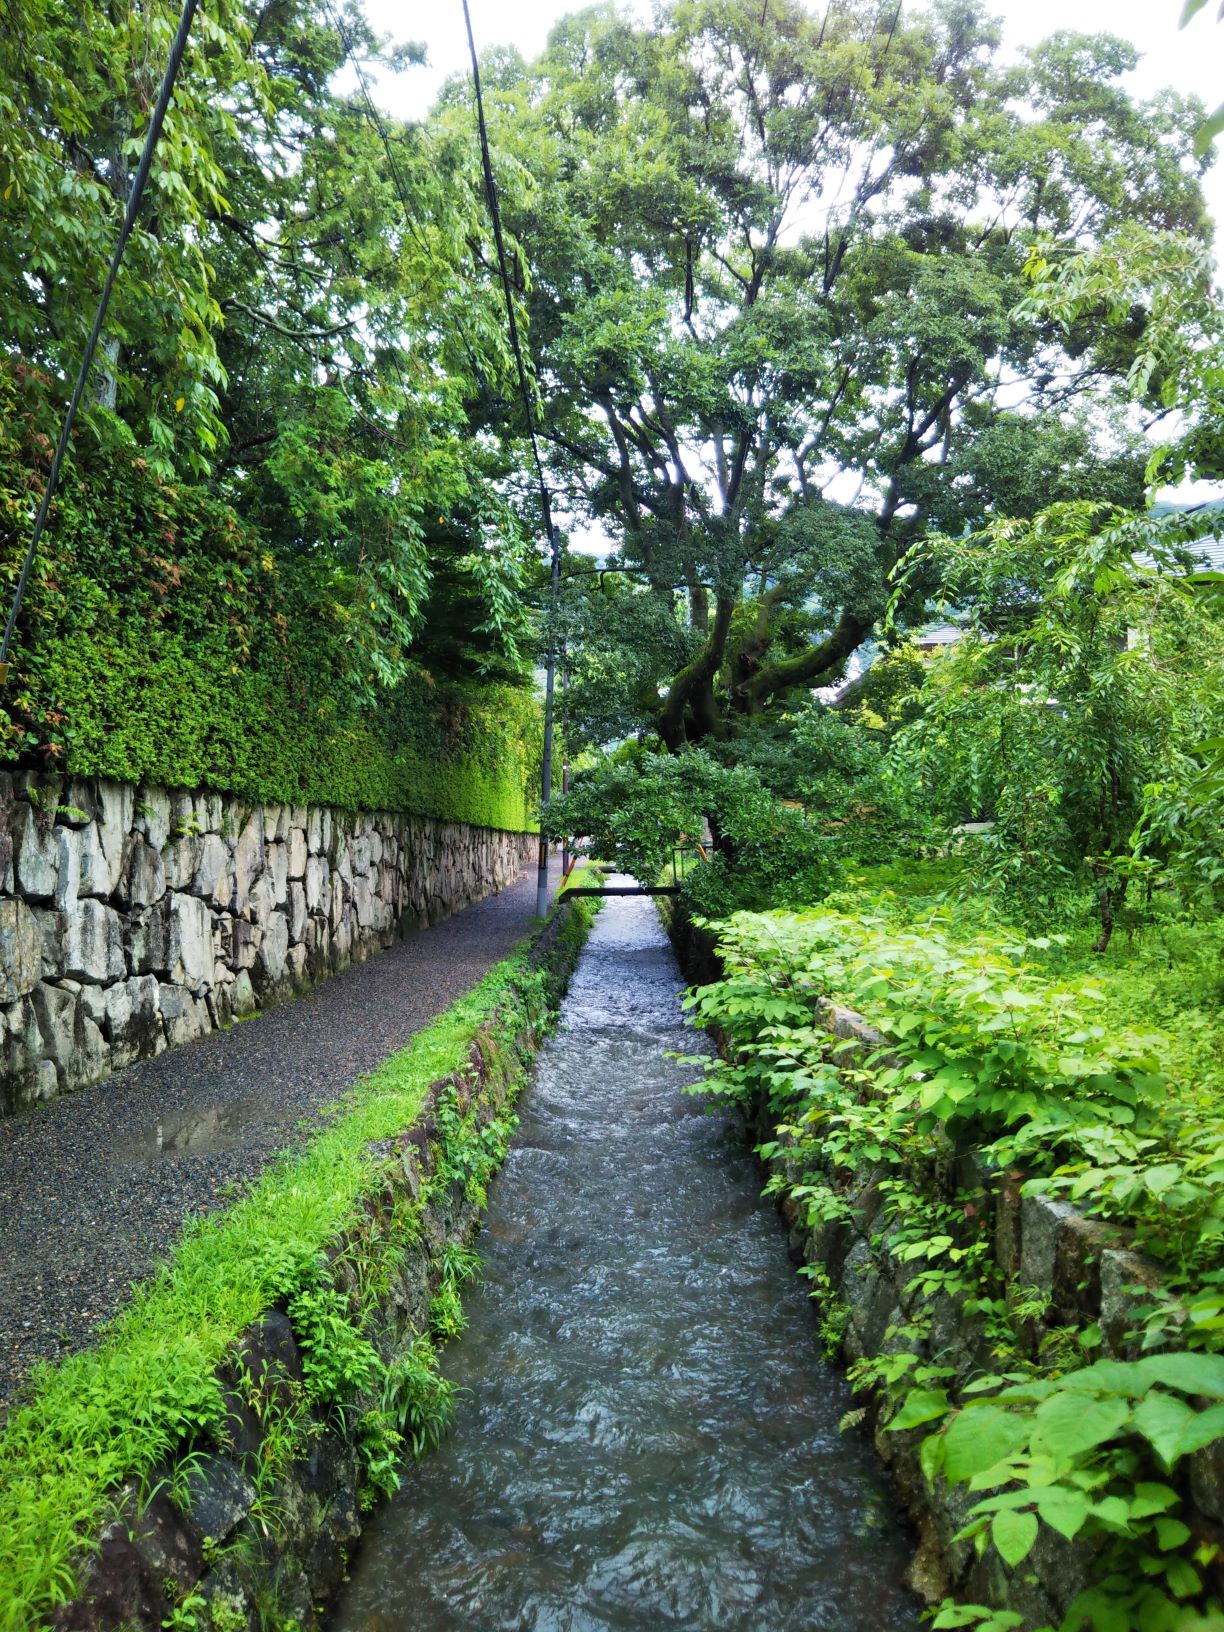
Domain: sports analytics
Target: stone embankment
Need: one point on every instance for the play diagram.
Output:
(1075, 1271)
(135, 918)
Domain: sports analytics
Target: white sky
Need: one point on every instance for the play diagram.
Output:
(1191, 60)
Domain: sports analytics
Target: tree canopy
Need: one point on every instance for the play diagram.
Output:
(777, 263)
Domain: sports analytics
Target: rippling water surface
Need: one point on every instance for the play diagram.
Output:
(650, 1435)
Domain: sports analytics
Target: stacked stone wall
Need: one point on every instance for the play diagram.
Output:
(136, 918)
(1078, 1271)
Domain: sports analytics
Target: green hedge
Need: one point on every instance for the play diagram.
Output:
(162, 642)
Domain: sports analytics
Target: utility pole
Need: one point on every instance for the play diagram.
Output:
(550, 683)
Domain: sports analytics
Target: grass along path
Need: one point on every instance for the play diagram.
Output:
(109, 1415)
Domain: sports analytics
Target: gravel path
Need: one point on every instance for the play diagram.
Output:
(95, 1187)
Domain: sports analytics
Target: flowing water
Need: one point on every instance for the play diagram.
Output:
(650, 1437)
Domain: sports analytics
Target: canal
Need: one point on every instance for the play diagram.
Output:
(648, 1435)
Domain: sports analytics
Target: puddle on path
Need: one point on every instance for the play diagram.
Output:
(199, 1131)
(650, 1435)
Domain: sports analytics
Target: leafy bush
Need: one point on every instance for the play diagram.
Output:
(637, 808)
(161, 641)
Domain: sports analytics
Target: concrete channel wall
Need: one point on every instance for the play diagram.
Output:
(135, 918)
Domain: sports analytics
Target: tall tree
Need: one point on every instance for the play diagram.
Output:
(305, 317)
(776, 256)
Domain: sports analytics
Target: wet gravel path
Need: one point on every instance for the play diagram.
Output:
(94, 1187)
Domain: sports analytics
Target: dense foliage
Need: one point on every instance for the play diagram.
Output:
(778, 265)
(284, 561)
(983, 1052)
(168, 643)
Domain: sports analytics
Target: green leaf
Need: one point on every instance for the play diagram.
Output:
(1013, 1535)
(1183, 1578)
(1162, 1419)
(1204, 1428)
(920, 1405)
(1067, 1425)
(1171, 1533)
(1063, 1508)
(1191, 1373)
(979, 1437)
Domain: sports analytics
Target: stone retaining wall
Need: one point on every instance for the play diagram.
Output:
(135, 918)
(1078, 1271)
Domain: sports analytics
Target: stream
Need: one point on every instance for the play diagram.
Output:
(649, 1435)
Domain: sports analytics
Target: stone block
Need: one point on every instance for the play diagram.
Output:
(209, 808)
(213, 878)
(144, 880)
(295, 962)
(261, 901)
(1040, 1220)
(363, 902)
(273, 952)
(182, 860)
(79, 803)
(68, 868)
(21, 950)
(278, 872)
(56, 1013)
(1129, 1283)
(36, 847)
(153, 816)
(133, 1018)
(314, 830)
(1077, 1269)
(116, 809)
(243, 997)
(147, 939)
(246, 943)
(218, 1496)
(94, 870)
(93, 943)
(296, 852)
(248, 859)
(184, 1017)
(275, 823)
(298, 916)
(317, 883)
(191, 948)
(1207, 1480)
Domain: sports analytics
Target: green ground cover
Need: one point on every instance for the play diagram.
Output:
(107, 1416)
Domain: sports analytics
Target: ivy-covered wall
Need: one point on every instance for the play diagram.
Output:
(161, 642)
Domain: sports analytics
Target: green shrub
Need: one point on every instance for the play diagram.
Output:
(162, 642)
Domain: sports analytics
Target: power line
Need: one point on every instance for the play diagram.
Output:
(550, 665)
(135, 196)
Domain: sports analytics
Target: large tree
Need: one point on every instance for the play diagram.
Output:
(306, 317)
(775, 262)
